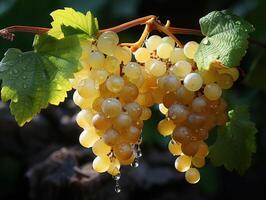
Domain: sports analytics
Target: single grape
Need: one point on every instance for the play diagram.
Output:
(97, 104)
(225, 81)
(146, 114)
(99, 148)
(88, 137)
(181, 68)
(169, 99)
(199, 104)
(176, 55)
(83, 103)
(134, 110)
(132, 70)
(184, 96)
(174, 148)
(182, 134)
(142, 55)
(129, 92)
(132, 134)
(164, 50)
(155, 67)
(84, 118)
(192, 175)
(153, 42)
(193, 82)
(178, 113)
(198, 161)
(190, 49)
(99, 75)
(212, 91)
(166, 127)
(169, 40)
(123, 151)
(115, 83)
(111, 107)
(123, 54)
(88, 88)
(190, 148)
(106, 45)
(122, 121)
(96, 59)
(100, 122)
(170, 83)
(112, 65)
(110, 137)
(101, 164)
(183, 163)
(110, 35)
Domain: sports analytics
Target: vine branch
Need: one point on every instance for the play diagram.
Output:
(151, 23)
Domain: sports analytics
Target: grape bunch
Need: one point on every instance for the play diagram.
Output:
(110, 115)
(115, 90)
(189, 98)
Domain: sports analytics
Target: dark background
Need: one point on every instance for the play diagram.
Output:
(37, 160)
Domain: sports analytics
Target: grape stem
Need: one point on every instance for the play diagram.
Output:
(151, 23)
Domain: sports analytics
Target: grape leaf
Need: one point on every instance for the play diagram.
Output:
(226, 39)
(67, 22)
(33, 79)
(235, 141)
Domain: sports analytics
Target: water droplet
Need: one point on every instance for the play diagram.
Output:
(206, 40)
(139, 153)
(135, 163)
(117, 187)
(117, 177)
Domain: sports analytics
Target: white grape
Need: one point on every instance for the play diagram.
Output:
(193, 82)
(153, 42)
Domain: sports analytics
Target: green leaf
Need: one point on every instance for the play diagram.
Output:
(236, 141)
(226, 39)
(33, 79)
(67, 22)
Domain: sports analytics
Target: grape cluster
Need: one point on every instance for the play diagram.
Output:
(110, 115)
(190, 99)
(115, 90)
